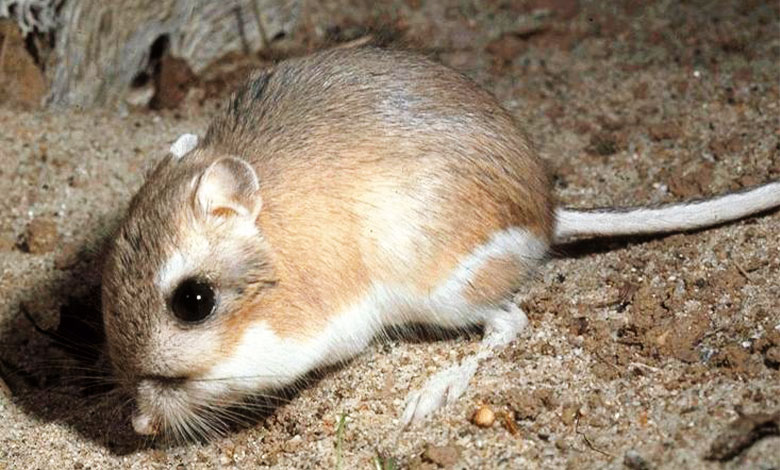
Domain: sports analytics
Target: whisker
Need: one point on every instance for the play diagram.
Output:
(237, 377)
(57, 338)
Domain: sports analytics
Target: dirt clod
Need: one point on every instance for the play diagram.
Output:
(506, 47)
(41, 236)
(664, 131)
(526, 405)
(444, 456)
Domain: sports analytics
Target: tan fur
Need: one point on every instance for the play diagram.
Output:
(495, 280)
(317, 194)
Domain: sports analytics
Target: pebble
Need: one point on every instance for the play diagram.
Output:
(773, 354)
(569, 414)
(634, 461)
(293, 444)
(484, 417)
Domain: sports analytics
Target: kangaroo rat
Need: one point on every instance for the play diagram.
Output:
(336, 195)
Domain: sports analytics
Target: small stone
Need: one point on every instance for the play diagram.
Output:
(484, 417)
(444, 456)
(41, 235)
(569, 414)
(634, 461)
(293, 444)
(772, 356)
(561, 444)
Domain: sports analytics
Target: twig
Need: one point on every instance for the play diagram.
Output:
(742, 270)
(587, 441)
(261, 26)
(598, 356)
(643, 366)
(340, 439)
(361, 41)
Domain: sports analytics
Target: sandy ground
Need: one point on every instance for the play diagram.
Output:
(639, 354)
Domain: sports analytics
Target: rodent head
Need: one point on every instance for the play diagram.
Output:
(180, 269)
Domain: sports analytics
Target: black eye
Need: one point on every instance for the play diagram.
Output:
(193, 301)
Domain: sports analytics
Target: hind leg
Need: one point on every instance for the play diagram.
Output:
(478, 291)
(446, 386)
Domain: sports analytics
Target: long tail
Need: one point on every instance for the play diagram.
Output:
(572, 225)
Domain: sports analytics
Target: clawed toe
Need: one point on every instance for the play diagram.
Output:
(441, 389)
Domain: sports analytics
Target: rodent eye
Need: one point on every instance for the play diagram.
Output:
(193, 301)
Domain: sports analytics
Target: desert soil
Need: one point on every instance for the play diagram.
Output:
(639, 354)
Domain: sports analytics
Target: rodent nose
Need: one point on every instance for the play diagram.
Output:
(144, 424)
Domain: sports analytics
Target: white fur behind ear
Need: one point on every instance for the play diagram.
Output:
(184, 145)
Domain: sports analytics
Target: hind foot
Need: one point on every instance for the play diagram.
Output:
(447, 385)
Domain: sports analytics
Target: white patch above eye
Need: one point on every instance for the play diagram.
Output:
(182, 263)
(184, 145)
(174, 268)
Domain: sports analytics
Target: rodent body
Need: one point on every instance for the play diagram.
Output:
(389, 189)
(338, 194)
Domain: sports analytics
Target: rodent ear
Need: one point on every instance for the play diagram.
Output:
(184, 145)
(229, 187)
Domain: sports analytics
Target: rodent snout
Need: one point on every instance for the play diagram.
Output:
(158, 398)
(145, 425)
